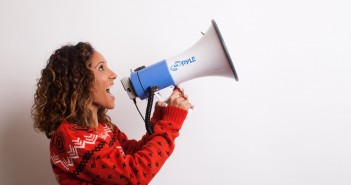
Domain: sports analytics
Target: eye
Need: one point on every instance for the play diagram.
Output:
(101, 68)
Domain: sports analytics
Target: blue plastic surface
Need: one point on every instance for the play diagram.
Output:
(153, 75)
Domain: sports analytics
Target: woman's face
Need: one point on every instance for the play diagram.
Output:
(104, 78)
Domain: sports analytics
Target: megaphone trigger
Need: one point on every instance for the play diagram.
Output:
(164, 94)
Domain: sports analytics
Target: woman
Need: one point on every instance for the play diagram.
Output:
(71, 101)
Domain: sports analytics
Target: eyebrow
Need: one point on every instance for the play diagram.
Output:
(99, 63)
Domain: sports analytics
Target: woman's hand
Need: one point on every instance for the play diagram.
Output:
(177, 99)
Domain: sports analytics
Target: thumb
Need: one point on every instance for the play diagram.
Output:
(161, 104)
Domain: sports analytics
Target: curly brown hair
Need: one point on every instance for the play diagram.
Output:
(64, 90)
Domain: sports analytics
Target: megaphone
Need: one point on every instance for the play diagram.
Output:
(207, 57)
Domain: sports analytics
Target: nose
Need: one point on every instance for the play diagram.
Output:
(113, 75)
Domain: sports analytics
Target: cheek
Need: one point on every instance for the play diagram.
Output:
(98, 85)
(97, 89)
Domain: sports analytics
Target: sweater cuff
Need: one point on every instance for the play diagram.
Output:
(174, 114)
(157, 115)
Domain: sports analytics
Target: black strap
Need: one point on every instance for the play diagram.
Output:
(151, 90)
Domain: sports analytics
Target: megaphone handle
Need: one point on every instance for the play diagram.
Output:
(148, 126)
(164, 94)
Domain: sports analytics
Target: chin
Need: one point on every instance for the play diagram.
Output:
(110, 107)
(106, 106)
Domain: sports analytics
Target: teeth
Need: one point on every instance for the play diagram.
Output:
(108, 88)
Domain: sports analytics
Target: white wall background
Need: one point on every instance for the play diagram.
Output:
(287, 121)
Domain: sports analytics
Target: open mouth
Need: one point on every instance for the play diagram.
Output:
(108, 89)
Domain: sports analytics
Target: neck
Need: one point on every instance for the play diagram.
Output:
(94, 110)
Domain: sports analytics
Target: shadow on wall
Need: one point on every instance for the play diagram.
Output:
(25, 153)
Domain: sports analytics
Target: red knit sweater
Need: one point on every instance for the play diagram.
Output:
(107, 156)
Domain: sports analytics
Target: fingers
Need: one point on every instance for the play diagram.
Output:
(161, 104)
(180, 99)
(177, 95)
(178, 92)
(186, 105)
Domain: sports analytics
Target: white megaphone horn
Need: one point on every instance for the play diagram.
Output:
(207, 57)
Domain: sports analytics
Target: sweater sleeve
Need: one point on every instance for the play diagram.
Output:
(130, 146)
(78, 156)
